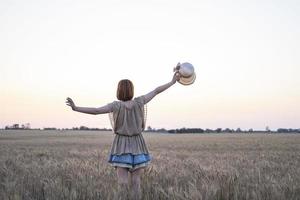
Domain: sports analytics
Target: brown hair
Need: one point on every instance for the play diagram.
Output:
(125, 90)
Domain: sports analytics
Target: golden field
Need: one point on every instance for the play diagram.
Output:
(73, 165)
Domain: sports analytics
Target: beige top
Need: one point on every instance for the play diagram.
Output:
(128, 118)
(128, 121)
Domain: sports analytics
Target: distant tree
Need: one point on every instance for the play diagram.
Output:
(282, 130)
(171, 131)
(238, 130)
(209, 131)
(219, 130)
(161, 130)
(227, 130)
(149, 128)
(49, 128)
(83, 128)
(16, 126)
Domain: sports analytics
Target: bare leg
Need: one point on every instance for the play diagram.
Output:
(136, 184)
(122, 182)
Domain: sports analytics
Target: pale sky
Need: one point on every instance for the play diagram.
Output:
(246, 55)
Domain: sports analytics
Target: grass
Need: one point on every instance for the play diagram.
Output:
(73, 165)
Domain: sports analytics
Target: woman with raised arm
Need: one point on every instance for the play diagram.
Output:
(129, 153)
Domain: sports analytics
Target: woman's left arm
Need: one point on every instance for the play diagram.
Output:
(88, 110)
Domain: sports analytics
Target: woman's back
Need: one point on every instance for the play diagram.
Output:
(128, 117)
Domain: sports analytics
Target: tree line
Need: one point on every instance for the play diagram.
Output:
(162, 130)
(221, 130)
(28, 127)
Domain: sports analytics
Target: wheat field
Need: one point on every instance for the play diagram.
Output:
(73, 165)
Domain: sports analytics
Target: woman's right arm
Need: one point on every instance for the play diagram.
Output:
(88, 110)
(156, 91)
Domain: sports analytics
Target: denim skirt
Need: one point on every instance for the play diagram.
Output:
(130, 161)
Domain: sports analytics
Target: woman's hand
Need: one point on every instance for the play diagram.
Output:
(70, 103)
(176, 75)
(177, 67)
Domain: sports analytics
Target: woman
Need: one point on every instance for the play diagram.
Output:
(129, 153)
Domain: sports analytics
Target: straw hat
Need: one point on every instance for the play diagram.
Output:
(187, 73)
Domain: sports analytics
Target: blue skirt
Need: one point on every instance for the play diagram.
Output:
(129, 160)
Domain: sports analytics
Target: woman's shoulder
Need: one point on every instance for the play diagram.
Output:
(140, 99)
(114, 104)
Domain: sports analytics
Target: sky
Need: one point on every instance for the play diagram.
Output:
(246, 56)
